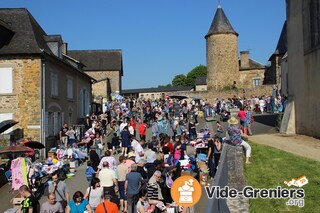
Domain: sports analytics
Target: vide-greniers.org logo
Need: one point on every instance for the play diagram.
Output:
(296, 195)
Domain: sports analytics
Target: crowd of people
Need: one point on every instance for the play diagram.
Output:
(128, 172)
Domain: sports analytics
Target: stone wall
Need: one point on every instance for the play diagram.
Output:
(236, 178)
(100, 88)
(24, 103)
(211, 96)
(222, 61)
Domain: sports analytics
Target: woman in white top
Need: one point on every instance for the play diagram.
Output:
(94, 194)
(150, 156)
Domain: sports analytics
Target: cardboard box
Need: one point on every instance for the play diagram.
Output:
(202, 166)
(74, 164)
(17, 201)
(203, 178)
(185, 173)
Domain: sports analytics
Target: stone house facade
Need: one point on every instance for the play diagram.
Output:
(106, 67)
(41, 87)
(303, 64)
(274, 73)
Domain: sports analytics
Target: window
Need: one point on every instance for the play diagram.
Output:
(6, 116)
(6, 81)
(152, 96)
(256, 82)
(54, 84)
(69, 88)
(314, 23)
(84, 102)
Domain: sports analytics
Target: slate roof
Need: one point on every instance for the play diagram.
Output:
(28, 37)
(220, 24)
(6, 33)
(99, 60)
(161, 89)
(252, 65)
(201, 80)
(282, 46)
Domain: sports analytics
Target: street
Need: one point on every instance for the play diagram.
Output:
(262, 125)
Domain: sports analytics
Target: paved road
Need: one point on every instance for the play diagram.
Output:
(264, 124)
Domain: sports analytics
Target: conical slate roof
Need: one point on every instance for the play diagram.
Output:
(220, 24)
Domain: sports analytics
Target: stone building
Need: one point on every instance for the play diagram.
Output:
(224, 69)
(40, 86)
(274, 74)
(303, 34)
(106, 67)
(222, 53)
(156, 93)
(201, 83)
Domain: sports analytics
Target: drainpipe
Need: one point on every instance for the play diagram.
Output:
(43, 105)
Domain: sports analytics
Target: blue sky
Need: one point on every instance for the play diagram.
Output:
(158, 38)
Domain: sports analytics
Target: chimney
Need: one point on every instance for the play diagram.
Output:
(244, 59)
(64, 48)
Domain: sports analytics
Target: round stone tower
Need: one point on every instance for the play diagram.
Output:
(222, 53)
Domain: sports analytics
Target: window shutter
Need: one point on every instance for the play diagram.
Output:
(86, 102)
(55, 123)
(6, 80)
(62, 118)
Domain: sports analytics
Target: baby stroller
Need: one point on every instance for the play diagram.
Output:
(224, 116)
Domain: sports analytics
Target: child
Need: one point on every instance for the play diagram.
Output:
(177, 152)
(89, 172)
(97, 144)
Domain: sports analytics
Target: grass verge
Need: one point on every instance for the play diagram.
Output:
(271, 167)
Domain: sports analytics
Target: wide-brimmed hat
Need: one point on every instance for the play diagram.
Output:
(131, 154)
(233, 120)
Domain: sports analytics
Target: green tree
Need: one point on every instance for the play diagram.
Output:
(179, 80)
(162, 86)
(200, 70)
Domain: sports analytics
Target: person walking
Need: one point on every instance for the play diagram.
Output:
(51, 205)
(122, 171)
(131, 187)
(78, 204)
(30, 204)
(210, 160)
(142, 130)
(94, 194)
(107, 206)
(60, 189)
